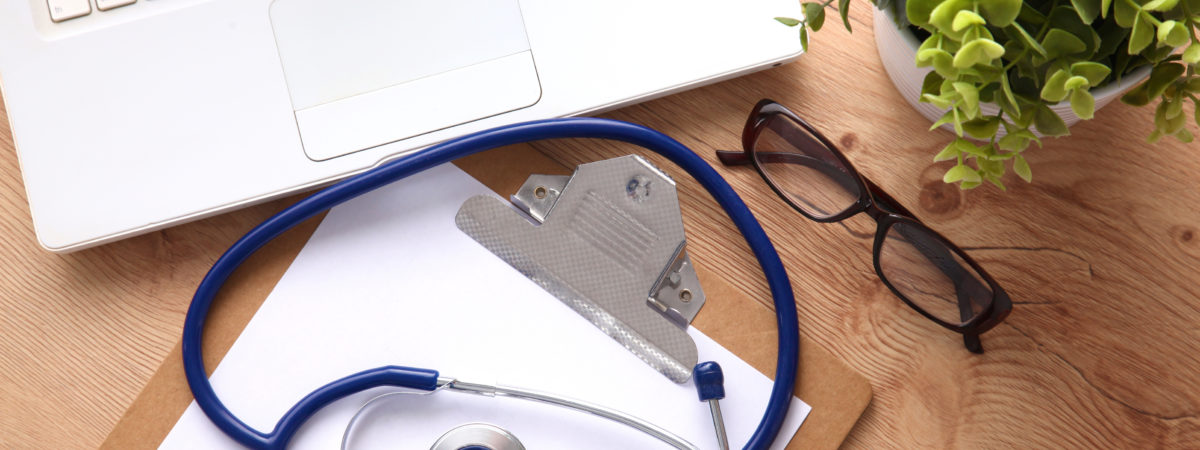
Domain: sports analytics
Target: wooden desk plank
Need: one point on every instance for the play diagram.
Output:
(1101, 255)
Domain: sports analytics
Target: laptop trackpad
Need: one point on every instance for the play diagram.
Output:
(363, 73)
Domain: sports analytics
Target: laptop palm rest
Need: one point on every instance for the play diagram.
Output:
(363, 73)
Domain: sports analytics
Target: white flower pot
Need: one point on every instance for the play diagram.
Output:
(898, 50)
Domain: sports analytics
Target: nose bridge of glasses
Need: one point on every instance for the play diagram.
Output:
(885, 201)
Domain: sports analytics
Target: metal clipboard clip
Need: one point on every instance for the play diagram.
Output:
(609, 242)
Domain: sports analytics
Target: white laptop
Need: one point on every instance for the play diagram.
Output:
(134, 115)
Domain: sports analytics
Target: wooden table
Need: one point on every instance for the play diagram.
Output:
(1101, 255)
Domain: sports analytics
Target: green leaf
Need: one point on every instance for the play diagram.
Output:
(989, 167)
(1184, 136)
(1055, 89)
(1025, 133)
(1173, 33)
(996, 181)
(956, 173)
(1083, 104)
(1154, 136)
(972, 177)
(942, 16)
(1192, 54)
(1142, 35)
(958, 131)
(1124, 13)
(814, 15)
(1161, 77)
(965, 146)
(941, 60)
(977, 52)
(966, 18)
(1158, 53)
(936, 100)
(925, 57)
(929, 42)
(969, 185)
(972, 149)
(1013, 143)
(970, 98)
(1021, 167)
(1007, 88)
(982, 128)
(1066, 19)
(1076, 82)
(1029, 41)
(944, 65)
(1138, 96)
(1000, 13)
(1112, 38)
(1174, 107)
(948, 153)
(1160, 116)
(1174, 124)
(1087, 9)
(918, 11)
(844, 11)
(932, 83)
(1061, 43)
(804, 38)
(788, 21)
(1048, 123)
(945, 119)
(1094, 72)
(1160, 5)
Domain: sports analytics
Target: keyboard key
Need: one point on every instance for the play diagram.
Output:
(105, 5)
(61, 10)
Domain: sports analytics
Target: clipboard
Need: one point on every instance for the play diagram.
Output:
(837, 394)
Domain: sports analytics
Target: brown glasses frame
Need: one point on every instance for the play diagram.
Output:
(886, 212)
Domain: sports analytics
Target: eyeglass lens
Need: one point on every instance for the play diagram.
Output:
(803, 169)
(931, 275)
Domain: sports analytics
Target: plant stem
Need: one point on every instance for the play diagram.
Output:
(1015, 60)
(1046, 25)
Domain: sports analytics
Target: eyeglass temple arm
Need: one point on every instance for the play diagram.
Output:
(965, 284)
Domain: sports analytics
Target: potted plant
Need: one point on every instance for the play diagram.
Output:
(999, 69)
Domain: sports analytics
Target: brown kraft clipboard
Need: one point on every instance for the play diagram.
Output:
(837, 394)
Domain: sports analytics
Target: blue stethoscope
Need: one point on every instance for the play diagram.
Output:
(429, 380)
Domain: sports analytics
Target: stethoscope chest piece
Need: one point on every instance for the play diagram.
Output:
(477, 436)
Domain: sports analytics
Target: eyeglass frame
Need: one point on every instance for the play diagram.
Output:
(881, 207)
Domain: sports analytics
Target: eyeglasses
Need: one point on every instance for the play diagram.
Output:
(923, 268)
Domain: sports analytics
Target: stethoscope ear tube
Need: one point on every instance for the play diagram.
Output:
(423, 379)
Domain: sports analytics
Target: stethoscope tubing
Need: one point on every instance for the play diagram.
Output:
(424, 379)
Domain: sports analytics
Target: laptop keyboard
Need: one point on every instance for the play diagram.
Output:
(62, 10)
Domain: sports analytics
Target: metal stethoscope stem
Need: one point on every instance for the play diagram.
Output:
(489, 390)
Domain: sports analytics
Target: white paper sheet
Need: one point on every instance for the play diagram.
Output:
(387, 279)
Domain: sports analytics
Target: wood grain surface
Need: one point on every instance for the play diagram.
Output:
(1101, 255)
